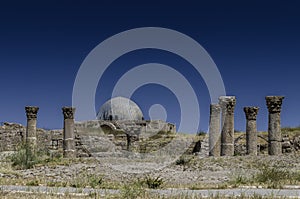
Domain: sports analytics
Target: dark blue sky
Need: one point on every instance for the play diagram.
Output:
(255, 45)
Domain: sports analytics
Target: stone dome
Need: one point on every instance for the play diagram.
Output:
(120, 108)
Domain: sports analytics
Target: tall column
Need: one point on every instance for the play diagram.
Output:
(31, 113)
(68, 133)
(214, 130)
(274, 129)
(251, 130)
(227, 134)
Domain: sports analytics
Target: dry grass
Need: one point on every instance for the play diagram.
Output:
(266, 171)
(144, 195)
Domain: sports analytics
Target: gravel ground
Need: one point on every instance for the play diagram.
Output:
(193, 170)
(289, 193)
(192, 175)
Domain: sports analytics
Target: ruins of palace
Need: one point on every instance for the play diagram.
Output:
(120, 126)
(221, 128)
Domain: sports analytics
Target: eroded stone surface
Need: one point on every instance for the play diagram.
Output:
(227, 134)
(214, 130)
(274, 104)
(31, 113)
(251, 130)
(68, 132)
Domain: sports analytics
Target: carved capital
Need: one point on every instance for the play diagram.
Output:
(68, 112)
(227, 103)
(31, 111)
(251, 112)
(274, 103)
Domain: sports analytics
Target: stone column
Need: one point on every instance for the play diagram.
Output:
(31, 113)
(214, 130)
(274, 129)
(251, 130)
(129, 141)
(227, 134)
(68, 132)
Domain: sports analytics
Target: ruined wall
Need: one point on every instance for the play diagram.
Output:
(100, 136)
(289, 143)
(91, 140)
(12, 136)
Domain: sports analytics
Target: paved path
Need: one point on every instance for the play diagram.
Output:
(290, 193)
(293, 193)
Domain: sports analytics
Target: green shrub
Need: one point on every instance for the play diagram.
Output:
(296, 176)
(182, 161)
(272, 176)
(55, 157)
(133, 190)
(24, 157)
(95, 181)
(201, 133)
(83, 180)
(153, 183)
(240, 180)
(33, 183)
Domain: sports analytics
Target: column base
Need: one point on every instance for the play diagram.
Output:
(275, 148)
(252, 150)
(215, 151)
(69, 144)
(252, 153)
(227, 149)
(69, 154)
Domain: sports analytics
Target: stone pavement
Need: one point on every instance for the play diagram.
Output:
(289, 192)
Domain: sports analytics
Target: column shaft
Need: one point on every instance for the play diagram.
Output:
(274, 134)
(227, 134)
(31, 137)
(251, 130)
(68, 133)
(214, 130)
(251, 137)
(274, 127)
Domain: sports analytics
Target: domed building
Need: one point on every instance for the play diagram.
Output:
(121, 121)
(120, 109)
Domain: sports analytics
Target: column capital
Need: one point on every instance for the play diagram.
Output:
(31, 111)
(251, 112)
(227, 103)
(68, 112)
(274, 103)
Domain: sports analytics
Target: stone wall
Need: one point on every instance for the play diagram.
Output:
(92, 140)
(289, 143)
(12, 136)
(98, 136)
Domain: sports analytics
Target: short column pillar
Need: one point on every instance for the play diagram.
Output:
(274, 128)
(31, 138)
(214, 130)
(68, 132)
(227, 134)
(251, 130)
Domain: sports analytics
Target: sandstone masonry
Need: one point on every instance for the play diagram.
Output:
(31, 138)
(251, 130)
(274, 128)
(214, 130)
(68, 132)
(227, 134)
